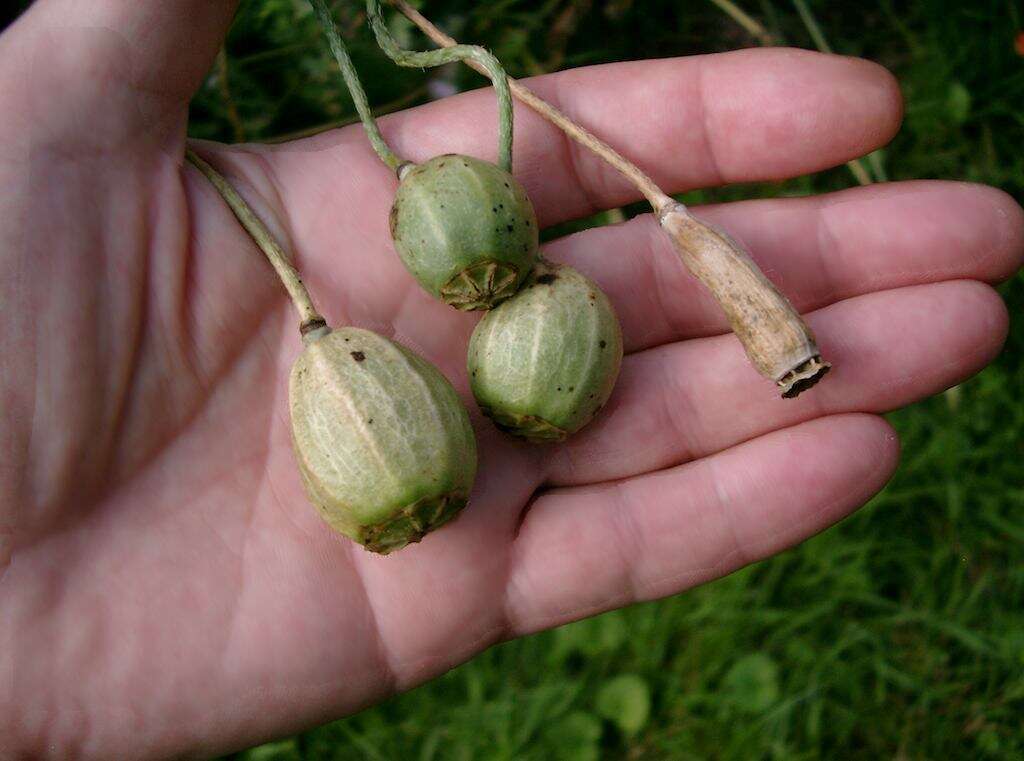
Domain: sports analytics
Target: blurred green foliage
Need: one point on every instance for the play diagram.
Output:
(899, 633)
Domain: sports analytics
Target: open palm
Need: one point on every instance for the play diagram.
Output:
(166, 589)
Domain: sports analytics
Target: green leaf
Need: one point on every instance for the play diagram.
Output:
(626, 702)
(591, 637)
(752, 683)
(958, 103)
(279, 751)
(574, 737)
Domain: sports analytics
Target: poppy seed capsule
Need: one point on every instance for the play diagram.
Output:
(544, 362)
(383, 442)
(465, 230)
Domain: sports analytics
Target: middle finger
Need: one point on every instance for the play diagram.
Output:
(686, 400)
(817, 251)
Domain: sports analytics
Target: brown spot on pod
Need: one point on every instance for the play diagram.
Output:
(393, 219)
(358, 356)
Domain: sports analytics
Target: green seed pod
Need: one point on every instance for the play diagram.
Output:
(544, 362)
(382, 440)
(465, 230)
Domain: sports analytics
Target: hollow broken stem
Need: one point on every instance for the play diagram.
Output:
(310, 318)
(777, 340)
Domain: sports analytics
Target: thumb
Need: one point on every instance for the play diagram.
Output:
(109, 71)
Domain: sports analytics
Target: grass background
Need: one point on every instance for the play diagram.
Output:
(897, 634)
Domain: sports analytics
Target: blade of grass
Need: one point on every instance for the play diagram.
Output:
(748, 22)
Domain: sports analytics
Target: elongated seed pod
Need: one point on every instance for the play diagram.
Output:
(465, 229)
(383, 442)
(776, 339)
(543, 363)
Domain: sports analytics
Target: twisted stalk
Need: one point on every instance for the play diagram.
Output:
(480, 59)
(310, 318)
(776, 339)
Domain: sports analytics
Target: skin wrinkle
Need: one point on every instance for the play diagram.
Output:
(829, 245)
(252, 175)
(680, 410)
(249, 509)
(428, 666)
(275, 202)
(63, 456)
(49, 592)
(629, 539)
(234, 623)
(232, 359)
(571, 155)
(185, 286)
(706, 131)
(721, 505)
(388, 669)
(659, 253)
(144, 308)
(176, 436)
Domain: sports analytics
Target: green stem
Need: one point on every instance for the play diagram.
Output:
(355, 87)
(812, 27)
(432, 58)
(309, 316)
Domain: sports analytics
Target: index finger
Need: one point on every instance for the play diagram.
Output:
(760, 114)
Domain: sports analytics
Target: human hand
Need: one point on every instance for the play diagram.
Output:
(166, 589)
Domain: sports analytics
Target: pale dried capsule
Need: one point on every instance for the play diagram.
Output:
(777, 340)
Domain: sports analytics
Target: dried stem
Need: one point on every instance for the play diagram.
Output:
(753, 26)
(482, 60)
(355, 87)
(311, 320)
(776, 339)
(225, 93)
(812, 26)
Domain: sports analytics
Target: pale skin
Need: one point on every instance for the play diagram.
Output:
(166, 590)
